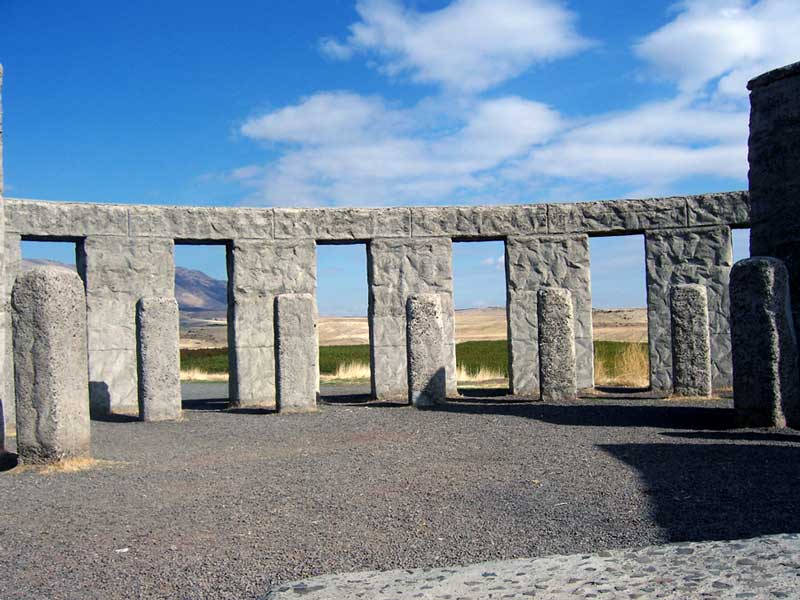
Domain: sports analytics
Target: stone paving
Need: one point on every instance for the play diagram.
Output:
(758, 568)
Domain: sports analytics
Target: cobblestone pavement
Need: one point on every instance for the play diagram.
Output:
(764, 567)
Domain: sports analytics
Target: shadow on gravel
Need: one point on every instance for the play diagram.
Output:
(8, 461)
(206, 404)
(483, 392)
(702, 492)
(115, 418)
(598, 415)
(743, 436)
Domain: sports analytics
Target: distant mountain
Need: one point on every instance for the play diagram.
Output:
(194, 290)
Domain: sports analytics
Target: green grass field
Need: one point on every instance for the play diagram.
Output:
(472, 356)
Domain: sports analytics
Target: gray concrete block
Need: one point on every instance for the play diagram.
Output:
(725, 208)
(766, 381)
(49, 315)
(547, 261)
(342, 223)
(39, 218)
(617, 216)
(703, 256)
(117, 272)
(158, 359)
(774, 156)
(691, 341)
(427, 360)
(201, 223)
(296, 352)
(557, 376)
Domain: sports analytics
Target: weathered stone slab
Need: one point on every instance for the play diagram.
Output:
(397, 269)
(774, 156)
(296, 350)
(617, 216)
(546, 261)
(725, 208)
(703, 256)
(49, 314)
(766, 381)
(427, 379)
(158, 359)
(557, 379)
(691, 341)
(475, 222)
(342, 223)
(118, 271)
(12, 258)
(201, 223)
(260, 270)
(38, 218)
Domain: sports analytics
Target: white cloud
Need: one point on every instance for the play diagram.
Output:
(469, 45)
(496, 262)
(717, 45)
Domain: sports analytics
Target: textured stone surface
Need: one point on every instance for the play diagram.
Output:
(556, 345)
(118, 271)
(703, 256)
(774, 155)
(766, 382)
(12, 257)
(475, 222)
(546, 261)
(727, 570)
(200, 223)
(615, 216)
(397, 269)
(4, 401)
(342, 223)
(427, 362)
(37, 218)
(691, 343)
(49, 314)
(158, 359)
(260, 270)
(296, 352)
(726, 208)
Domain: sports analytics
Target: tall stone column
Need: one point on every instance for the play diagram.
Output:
(397, 269)
(701, 255)
(12, 259)
(158, 359)
(691, 343)
(296, 372)
(4, 400)
(259, 270)
(774, 155)
(557, 378)
(117, 271)
(427, 379)
(546, 261)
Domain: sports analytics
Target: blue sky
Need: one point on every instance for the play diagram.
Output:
(382, 102)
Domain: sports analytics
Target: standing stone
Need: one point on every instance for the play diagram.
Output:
(774, 157)
(427, 372)
(51, 370)
(296, 353)
(691, 342)
(158, 359)
(4, 400)
(766, 383)
(557, 376)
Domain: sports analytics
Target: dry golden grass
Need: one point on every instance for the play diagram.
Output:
(482, 375)
(351, 371)
(198, 375)
(631, 368)
(71, 465)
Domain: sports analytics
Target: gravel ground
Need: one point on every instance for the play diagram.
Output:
(224, 504)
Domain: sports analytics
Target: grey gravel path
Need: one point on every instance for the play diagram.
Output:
(760, 568)
(227, 504)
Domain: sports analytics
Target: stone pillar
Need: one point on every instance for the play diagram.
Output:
(5, 401)
(546, 261)
(258, 271)
(13, 257)
(701, 255)
(426, 350)
(691, 343)
(396, 269)
(774, 155)
(158, 359)
(296, 353)
(117, 272)
(49, 315)
(557, 373)
(766, 382)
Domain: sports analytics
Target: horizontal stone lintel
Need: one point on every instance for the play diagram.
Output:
(37, 219)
